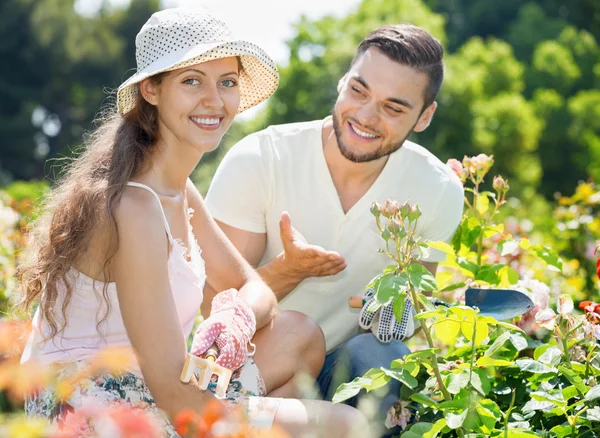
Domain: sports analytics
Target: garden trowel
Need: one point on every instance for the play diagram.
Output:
(501, 304)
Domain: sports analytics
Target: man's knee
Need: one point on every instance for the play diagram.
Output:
(305, 336)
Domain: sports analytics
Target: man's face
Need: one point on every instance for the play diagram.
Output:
(379, 105)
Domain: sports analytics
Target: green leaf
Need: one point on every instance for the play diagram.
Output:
(593, 414)
(428, 352)
(424, 400)
(378, 377)
(468, 268)
(534, 405)
(481, 330)
(349, 390)
(519, 433)
(551, 356)
(417, 430)
(403, 376)
(453, 287)
(507, 276)
(562, 430)
(570, 392)
(470, 232)
(442, 246)
(548, 256)
(537, 353)
(373, 281)
(454, 421)
(486, 361)
(489, 273)
(446, 329)
(556, 398)
(373, 379)
(492, 230)
(421, 278)
(389, 286)
(533, 366)
(480, 381)
(457, 403)
(498, 344)
(399, 305)
(574, 378)
(457, 381)
(507, 247)
(593, 393)
(518, 341)
(413, 368)
(435, 429)
(482, 203)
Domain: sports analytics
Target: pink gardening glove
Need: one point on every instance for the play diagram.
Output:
(231, 325)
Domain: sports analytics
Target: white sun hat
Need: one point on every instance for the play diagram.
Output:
(179, 37)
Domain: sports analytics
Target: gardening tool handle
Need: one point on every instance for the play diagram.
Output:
(212, 353)
(356, 302)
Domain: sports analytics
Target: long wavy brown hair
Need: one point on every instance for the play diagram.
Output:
(87, 193)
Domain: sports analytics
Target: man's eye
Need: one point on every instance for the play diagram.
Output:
(395, 110)
(356, 90)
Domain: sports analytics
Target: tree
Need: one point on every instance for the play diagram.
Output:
(56, 67)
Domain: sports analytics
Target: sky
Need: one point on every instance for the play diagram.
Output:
(268, 23)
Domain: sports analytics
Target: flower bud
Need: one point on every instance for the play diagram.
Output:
(376, 209)
(390, 208)
(458, 169)
(500, 184)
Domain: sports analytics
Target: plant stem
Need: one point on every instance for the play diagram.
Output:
(507, 414)
(426, 330)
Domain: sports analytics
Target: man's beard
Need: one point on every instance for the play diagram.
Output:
(382, 151)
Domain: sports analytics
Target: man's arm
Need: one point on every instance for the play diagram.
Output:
(297, 261)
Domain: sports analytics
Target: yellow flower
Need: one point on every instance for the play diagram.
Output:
(112, 360)
(22, 427)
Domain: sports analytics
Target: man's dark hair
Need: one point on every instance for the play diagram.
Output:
(411, 46)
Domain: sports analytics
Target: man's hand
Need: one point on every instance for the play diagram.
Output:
(304, 260)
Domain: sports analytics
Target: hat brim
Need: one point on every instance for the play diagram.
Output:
(258, 80)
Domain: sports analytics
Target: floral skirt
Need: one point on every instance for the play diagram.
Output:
(246, 390)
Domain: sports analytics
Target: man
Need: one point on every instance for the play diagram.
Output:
(322, 176)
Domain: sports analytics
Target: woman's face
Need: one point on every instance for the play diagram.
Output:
(196, 104)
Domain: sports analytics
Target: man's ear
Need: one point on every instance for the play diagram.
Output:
(149, 90)
(425, 118)
(341, 83)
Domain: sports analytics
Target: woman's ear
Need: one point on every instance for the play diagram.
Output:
(149, 90)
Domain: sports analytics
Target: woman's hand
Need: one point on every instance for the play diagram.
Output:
(231, 325)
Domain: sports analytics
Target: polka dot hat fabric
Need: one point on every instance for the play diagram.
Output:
(180, 37)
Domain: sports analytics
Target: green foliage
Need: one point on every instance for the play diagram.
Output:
(488, 380)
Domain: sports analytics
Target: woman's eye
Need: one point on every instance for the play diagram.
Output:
(229, 83)
(356, 90)
(191, 81)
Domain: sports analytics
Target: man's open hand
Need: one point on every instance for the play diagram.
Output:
(304, 260)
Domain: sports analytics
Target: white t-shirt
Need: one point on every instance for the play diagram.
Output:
(283, 168)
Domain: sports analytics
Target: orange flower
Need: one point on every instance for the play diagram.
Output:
(189, 423)
(13, 336)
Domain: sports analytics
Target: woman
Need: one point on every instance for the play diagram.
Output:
(116, 259)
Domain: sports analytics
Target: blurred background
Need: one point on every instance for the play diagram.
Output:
(522, 83)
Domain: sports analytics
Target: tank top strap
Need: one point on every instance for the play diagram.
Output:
(145, 187)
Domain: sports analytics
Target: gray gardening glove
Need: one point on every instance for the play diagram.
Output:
(383, 323)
